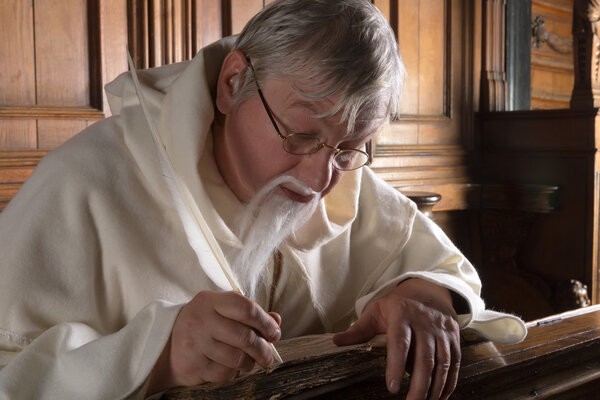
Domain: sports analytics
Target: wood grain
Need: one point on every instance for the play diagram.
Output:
(241, 12)
(552, 71)
(560, 358)
(61, 53)
(17, 134)
(17, 74)
(53, 133)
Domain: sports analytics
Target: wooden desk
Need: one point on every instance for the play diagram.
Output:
(559, 359)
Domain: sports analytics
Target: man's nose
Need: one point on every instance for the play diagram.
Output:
(316, 169)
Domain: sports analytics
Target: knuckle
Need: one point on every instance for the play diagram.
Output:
(428, 362)
(443, 365)
(247, 337)
(202, 297)
(249, 308)
(403, 341)
(451, 325)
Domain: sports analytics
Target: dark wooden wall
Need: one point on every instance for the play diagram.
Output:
(452, 137)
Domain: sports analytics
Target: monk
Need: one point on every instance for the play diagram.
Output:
(108, 289)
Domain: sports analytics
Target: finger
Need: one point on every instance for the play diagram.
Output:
(452, 378)
(244, 338)
(443, 361)
(276, 317)
(398, 345)
(423, 366)
(240, 308)
(362, 330)
(229, 356)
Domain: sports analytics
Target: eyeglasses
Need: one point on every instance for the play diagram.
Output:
(303, 144)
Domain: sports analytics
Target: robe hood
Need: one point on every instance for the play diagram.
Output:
(176, 97)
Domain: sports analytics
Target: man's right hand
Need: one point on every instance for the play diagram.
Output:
(215, 336)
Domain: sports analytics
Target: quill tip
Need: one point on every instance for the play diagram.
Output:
(276, 355)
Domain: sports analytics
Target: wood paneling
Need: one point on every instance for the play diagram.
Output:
(242, 11)
(52, 133)
(552, 54)
(17, 76)
(61, 53)
(112, 32)
(493, 85)
(557, 148)
(408, 42)
(81, 47)
(207, 23)
(434, 42)
(163, 32)
(424, 37)
(428, 147)
(55, 58)
(17, 134)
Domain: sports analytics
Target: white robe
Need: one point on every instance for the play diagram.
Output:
(95, 263)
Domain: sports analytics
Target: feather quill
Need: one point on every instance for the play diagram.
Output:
(198, 232)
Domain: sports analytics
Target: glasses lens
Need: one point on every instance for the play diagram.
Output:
(347, 160)
(300, 144)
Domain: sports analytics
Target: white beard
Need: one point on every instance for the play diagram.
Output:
(269, 219)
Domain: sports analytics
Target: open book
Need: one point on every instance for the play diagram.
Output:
(560, 358)
(313, 366)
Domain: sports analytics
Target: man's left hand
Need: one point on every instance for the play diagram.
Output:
(419, 319)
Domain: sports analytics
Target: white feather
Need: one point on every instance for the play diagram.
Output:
(198, 232)
(209, 253)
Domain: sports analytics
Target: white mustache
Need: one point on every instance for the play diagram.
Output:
(296, 185)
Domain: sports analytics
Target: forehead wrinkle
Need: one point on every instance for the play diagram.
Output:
(293, 99)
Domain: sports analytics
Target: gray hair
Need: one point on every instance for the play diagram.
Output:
(341, 47)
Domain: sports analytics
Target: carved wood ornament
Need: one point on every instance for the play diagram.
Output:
(586, 24)
(539, 36)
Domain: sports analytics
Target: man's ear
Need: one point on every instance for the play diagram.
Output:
(234, 63)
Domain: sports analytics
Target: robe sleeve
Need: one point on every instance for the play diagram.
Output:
(75, 322)
(74, 361)
(429, 254)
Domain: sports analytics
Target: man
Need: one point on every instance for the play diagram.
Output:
(103, 293)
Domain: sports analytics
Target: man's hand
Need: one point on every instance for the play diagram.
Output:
(215, 336)
(417, 317)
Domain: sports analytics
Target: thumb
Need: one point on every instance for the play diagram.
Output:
(361, 331)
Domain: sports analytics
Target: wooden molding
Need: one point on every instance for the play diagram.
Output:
(384, 150)
(494, 76)
(20, 158)
(7, 191)
(595, 236)
(41, 112)
(586, 90)
(15, 168)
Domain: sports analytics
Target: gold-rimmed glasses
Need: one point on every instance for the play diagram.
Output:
(304, 144)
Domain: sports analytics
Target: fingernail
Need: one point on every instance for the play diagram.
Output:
(276, 335)
(394, 386)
